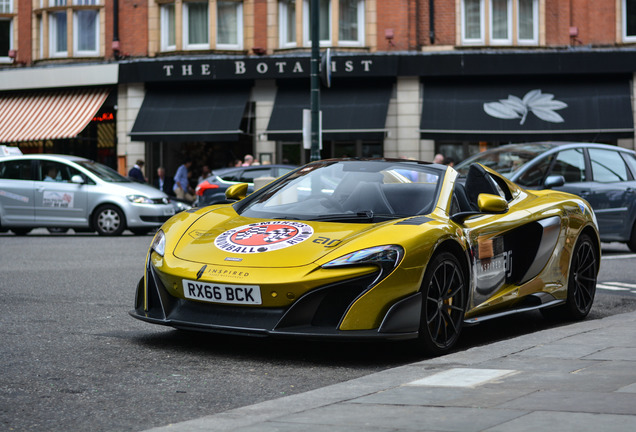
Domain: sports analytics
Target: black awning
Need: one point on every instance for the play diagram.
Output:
(356, 110)
(523, 108)
(191, 114)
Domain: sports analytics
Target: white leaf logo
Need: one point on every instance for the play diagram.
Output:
(540, 104)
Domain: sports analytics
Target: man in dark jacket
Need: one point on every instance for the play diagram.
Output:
(136, 173)
(163, 182)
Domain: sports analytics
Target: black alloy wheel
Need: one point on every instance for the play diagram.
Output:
(582, 279)
(444, 294)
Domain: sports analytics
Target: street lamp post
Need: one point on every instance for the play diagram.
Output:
(315, 81)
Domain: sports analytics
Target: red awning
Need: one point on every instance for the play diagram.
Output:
(48, 114)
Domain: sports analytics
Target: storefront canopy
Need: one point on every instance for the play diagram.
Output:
(350, 111)
(526, 109)
(191, 113)
(44, 115)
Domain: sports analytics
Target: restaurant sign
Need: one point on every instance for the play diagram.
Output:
(252, 68)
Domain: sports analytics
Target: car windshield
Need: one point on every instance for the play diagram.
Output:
(348, 191)
(103, 172)
(505, 160)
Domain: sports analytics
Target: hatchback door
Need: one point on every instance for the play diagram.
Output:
(16, 192)
(612, 194)
(59, 201)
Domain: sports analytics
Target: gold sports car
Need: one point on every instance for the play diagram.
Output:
(372, 248)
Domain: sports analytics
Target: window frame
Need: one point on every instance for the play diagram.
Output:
(535, 25)
(482, 25)
(509, 24)
(306, 35)
(361, 27)
(76, 35)
(187, 46)
(7, 59)
(239, 28)
(164, 25)
(53, 33)
(283, 35)
(626, 37)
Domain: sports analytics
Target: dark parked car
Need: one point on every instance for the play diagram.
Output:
(212, 190)
(604, 175)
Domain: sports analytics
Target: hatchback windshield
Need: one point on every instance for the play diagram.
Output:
(356, 191)
(103, 172)
(505, 160)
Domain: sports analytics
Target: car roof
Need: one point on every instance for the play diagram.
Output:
(48, 156)
(225, 170)
(560, 145)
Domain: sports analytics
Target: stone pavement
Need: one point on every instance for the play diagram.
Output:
(578, 377)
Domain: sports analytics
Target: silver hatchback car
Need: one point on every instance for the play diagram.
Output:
(61, 192)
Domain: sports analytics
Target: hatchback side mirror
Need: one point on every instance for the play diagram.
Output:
(554, 181)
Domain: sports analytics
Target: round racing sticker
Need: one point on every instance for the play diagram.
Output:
(263, 237)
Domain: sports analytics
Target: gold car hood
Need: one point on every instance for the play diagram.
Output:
(220, 238)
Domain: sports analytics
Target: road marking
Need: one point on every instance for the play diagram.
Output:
(462, 377)
(615, 257)
(617, 286)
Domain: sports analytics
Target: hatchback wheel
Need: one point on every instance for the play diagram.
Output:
(109, 221)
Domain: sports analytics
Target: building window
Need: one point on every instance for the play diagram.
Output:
(82, 16)
(196, 26)
(287, 25)
(168, 35)
(346, 15)
(351, 22)
(629, 20)
(498, 16)
(6, 31)
(229, 16)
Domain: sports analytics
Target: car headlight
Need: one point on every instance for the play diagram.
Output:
(159, 243)
(385, 257)
(139, 199)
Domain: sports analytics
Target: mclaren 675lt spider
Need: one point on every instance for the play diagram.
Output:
(372, 248)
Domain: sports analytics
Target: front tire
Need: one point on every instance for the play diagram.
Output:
(632, 240)
(444, 293)
(582, 278)
(109, 221)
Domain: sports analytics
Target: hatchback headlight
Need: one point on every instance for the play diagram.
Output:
(139, 199)
(159, 243)
(386, 258)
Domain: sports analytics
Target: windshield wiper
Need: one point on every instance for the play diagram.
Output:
(364, 216)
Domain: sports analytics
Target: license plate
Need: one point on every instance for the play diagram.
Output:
(219, 293)
(168, 211)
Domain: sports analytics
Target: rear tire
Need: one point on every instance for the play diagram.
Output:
(444, 299)
(632, 240)
(109, 220)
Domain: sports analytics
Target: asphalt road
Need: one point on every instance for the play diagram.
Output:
(73, 359)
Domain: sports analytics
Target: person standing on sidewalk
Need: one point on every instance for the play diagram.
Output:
(182, 188)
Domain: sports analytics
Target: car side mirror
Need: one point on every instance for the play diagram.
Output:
(554, 181)
(77, 179)
(237, 191)
(489, 203)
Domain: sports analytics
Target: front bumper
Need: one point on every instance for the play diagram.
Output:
(317, 314)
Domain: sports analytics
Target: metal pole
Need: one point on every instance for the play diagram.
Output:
(315, 80)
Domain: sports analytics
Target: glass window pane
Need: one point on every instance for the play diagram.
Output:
(526, 20)
(348, 25)
(325, 18)
(499, 19)
(58, 30)
(472, 19)
(289, 21)
(87, 30)
(168, 26)
(630, 17)
(227, 16)
(571, 165)
(607, 166)
(5, 6)
(197, 23)
(5, 37)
